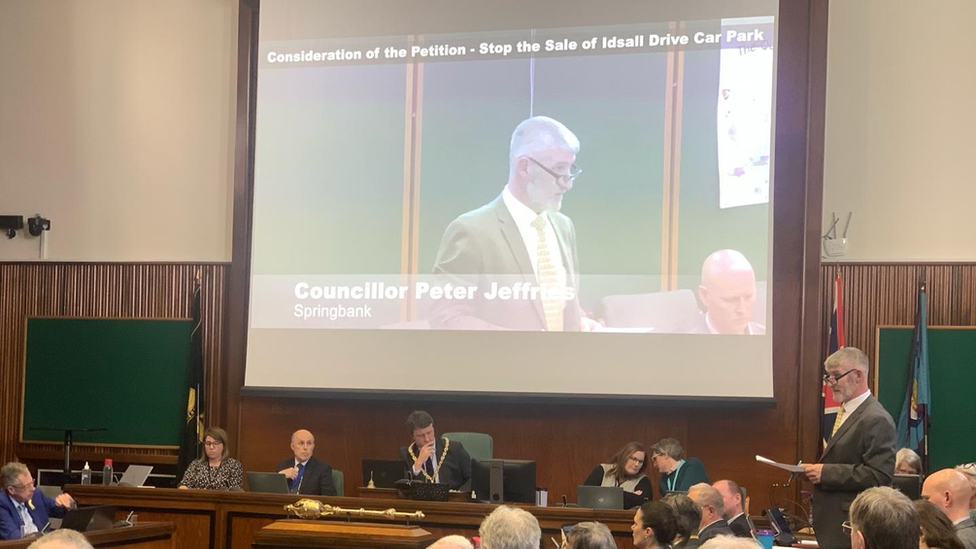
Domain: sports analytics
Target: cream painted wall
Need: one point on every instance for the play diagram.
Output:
(901, 128)
(117, 123)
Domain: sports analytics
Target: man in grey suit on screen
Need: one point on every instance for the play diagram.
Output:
(860, 453)
(518, 240)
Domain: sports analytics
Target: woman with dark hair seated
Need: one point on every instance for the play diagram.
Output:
(937, 529)
(625, 470)
(214, 470)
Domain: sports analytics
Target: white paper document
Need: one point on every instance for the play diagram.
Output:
(786, 466)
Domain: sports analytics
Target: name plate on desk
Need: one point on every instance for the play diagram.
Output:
(296, 533)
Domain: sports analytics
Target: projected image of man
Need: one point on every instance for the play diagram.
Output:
(518, 250)
(728, 295)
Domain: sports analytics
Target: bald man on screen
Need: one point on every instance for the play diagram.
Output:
(728, 295)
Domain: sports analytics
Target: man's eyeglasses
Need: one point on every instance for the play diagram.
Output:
(30, 484)
(846, 526)
(561, 178)
(832, 380)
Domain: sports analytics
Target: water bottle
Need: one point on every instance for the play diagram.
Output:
(107, 473)
(86, 474)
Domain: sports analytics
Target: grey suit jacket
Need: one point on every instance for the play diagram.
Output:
(485, 246)
(966, 530)
(860, 455)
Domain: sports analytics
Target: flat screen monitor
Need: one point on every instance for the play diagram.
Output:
(518, 480)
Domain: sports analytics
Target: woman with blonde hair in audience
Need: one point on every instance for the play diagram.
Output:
(937, 529)
(214, 470)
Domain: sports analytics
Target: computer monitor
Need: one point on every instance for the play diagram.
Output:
(383, 472)
(910, 485)
(517, 480)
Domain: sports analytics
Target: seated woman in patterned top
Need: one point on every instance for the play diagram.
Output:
(214, 470)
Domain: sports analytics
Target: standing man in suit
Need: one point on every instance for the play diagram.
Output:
(677, 473)
(734, 514)
(860, 453)
(25, 510)
(519, 238)
(306, 475)
(713, 523)
(949, 490)
(433, 459)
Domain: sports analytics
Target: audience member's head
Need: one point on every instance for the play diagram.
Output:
(937, 529)
(61, 539)
(629, 461)
(452, 542)
(729, 542)
(728, 291)
(968, 470)
(17, 482)
(510, 528)
(948, 490)
(883, 518)
(709, 500)
(847, 373)
(302, 444)
(907, 462)
(666, 454)
(590, 535)
(731, 497)
(686, 513)
(654, 526)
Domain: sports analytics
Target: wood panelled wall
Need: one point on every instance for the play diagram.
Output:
(107, 291)
(885, 294)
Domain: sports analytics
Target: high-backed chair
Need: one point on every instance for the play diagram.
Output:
(478, 445)
(339, 481)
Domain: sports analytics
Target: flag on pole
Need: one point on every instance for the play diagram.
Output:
(835, 341)
(193, 425)
(913, 423)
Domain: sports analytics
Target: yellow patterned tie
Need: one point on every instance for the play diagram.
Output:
(548, 277)
(838, 420)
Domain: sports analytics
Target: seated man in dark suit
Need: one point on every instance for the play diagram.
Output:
(307, 475)
(710, 502)
(24, 509)
(677, 473)
(734, 515)
(435, 459)
(949, 490)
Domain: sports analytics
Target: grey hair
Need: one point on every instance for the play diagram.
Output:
(540, 133)
(909, 456)
(67, 537)
(886, 518)
(11, 472)
(688, 514)
(730, 542)
(852, 356)
(453, 541)
(669, 447)
(590, 535)
(707, 495)
(510, 528)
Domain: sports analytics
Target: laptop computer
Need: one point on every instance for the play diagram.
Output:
(385, 472)
(95, 517)
(600, 497)
(135, 475)
(267, 483)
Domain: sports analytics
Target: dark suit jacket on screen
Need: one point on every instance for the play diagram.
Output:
(860, 455)
(456, 469)
(317, 478)
(484, 246)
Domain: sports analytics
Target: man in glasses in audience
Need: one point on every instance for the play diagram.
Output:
(515, 257)
(24, 510)
(882, 518)
(860, 452)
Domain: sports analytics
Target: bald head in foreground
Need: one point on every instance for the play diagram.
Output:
(728, 294)
(452, 542)
(61, 539)
(950, 491)
(307, 475)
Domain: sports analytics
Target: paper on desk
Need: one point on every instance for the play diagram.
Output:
(787, 466)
